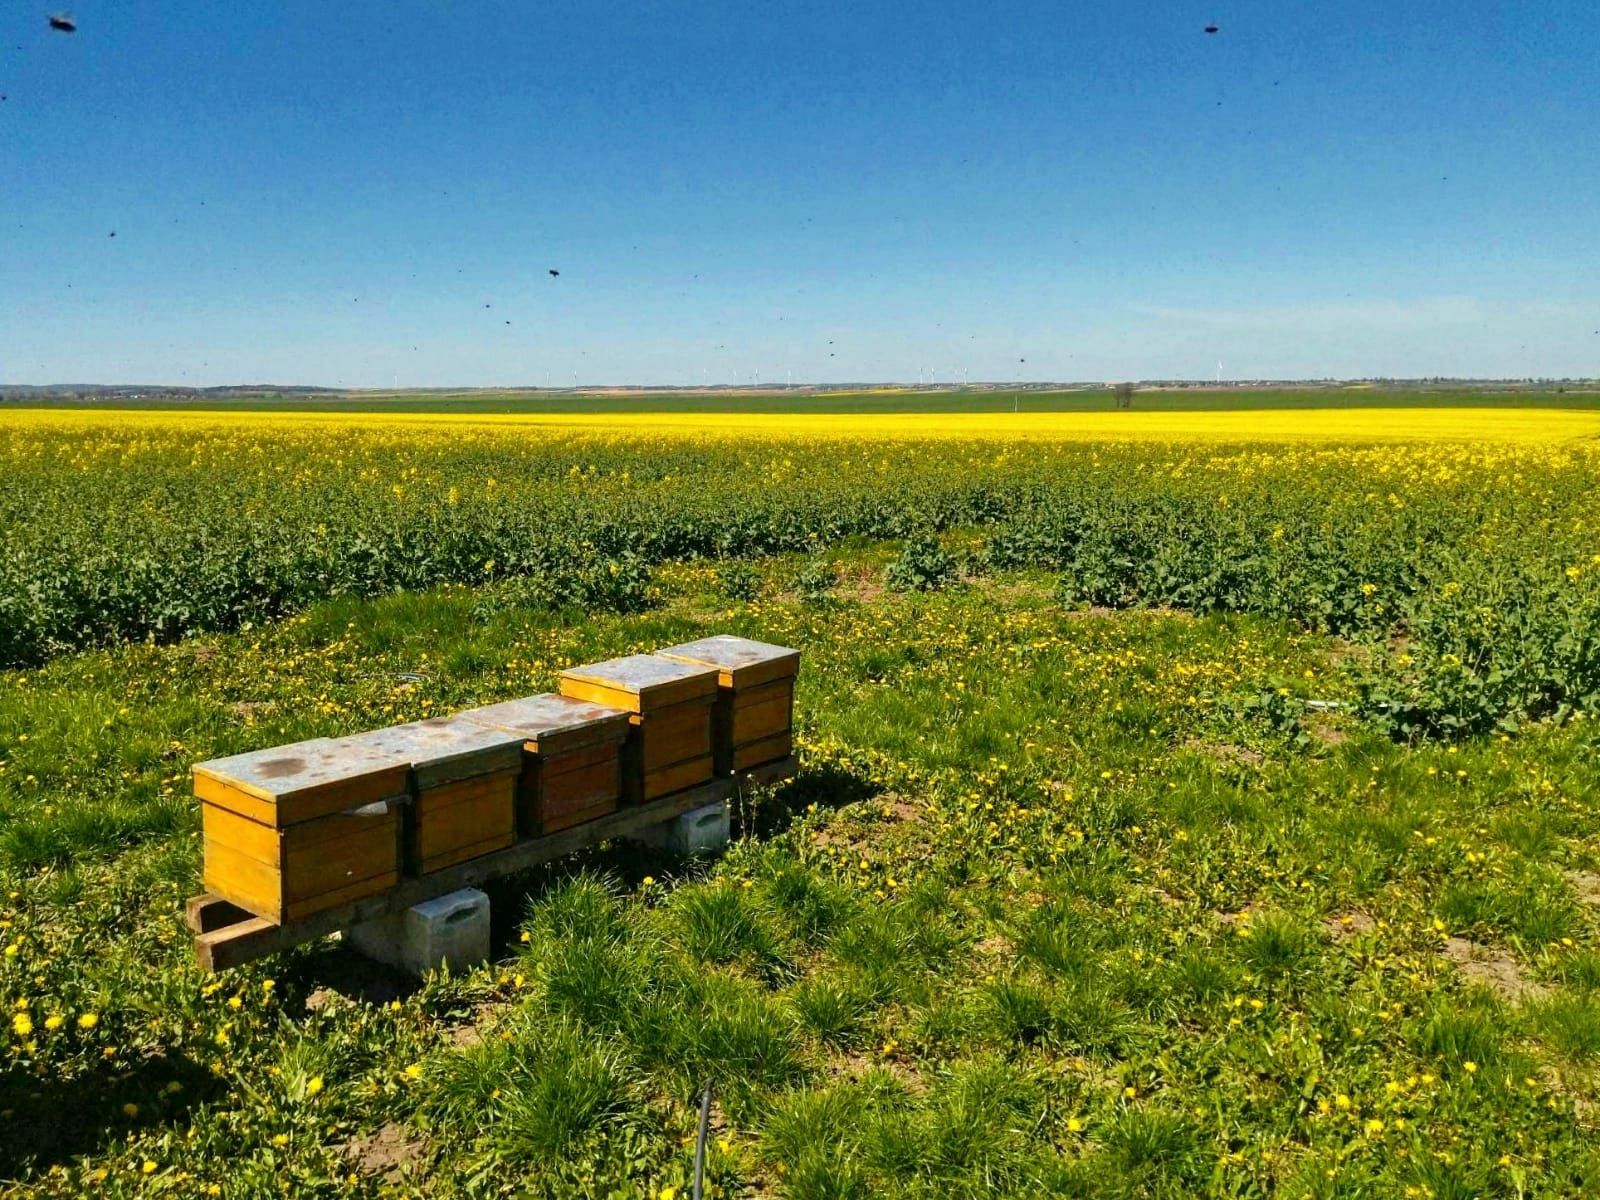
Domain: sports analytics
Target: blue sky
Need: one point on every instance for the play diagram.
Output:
(365, 194)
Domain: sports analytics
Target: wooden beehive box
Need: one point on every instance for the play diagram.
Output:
(755, 698)
(571, 758)
(463, 784)
(295, 829)
(670, 710)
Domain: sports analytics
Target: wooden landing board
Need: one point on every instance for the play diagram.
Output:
(225, 936)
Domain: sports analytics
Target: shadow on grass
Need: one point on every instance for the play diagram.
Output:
(48, 1121)
(761, 813)
(765, 814)
(334, 968)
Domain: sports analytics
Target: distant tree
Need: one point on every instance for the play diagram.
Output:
(1124, 394)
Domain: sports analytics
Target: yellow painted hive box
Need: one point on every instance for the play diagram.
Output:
(571, 758)
(669, 706)
(754, 721)
(463, 785)
(295, 829)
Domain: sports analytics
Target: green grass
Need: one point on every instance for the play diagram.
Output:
(1057, 906)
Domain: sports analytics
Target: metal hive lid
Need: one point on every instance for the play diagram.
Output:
(729, 652)
(534, 717)
(284, 772)
(640, 673)
(441, 741)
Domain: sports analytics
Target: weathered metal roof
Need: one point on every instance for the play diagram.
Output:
(443, 748)
(729, 652)
(740, 662)
(539, 716)
(637, 673)
(282, 772)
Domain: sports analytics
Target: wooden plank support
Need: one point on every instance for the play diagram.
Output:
(206, 912)
(226, 936)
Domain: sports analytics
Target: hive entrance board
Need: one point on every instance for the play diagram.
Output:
(755, 702)
(670, 706)
(571, 758)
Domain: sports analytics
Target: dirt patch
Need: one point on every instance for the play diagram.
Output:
(1342, 652)
(996, 945)
(1586, 884)
(469, 1032)
(1163, 611)
(320, 998)
(864, 591)
(1348, 925)
(1326, 729)
(1228, 752)
(851, 831)
(898, 808)
(343, 976)
(1586, 1110)
(1494, 969)
(856, 1065)
(1242, 916)
(1009, 589)
(386, 1152)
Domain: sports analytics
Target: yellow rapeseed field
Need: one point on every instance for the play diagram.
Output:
(1522, 426)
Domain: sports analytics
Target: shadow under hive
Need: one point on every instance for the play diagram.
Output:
(463, 784)
(754, 716)
(670, 709)
(295, 829)
(571, 758)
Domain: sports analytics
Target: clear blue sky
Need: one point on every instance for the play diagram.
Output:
(362, 194)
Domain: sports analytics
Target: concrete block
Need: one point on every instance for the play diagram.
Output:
(451, 929)
(698, 831)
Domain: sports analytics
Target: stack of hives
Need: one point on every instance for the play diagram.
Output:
(297, 829)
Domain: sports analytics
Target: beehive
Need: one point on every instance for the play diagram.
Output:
(571, 758)
(295, 829)
(463, 785)
(755, 698)
(670, 711)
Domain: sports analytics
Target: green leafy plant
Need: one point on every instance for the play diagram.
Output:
(922, 566)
